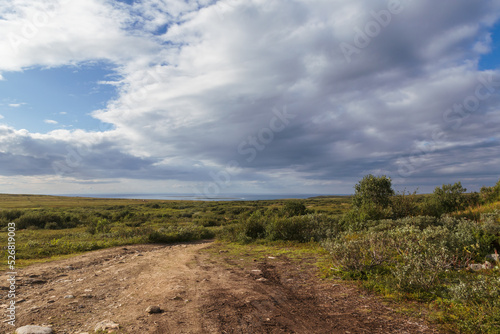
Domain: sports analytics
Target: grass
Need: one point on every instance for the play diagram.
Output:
(61, 226)
(300, 253)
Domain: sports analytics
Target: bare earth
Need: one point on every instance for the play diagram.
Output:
(199, 292)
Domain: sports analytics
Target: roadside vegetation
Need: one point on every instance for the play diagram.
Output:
(431, 249)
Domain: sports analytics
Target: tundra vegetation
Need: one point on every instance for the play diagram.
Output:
(412, 249)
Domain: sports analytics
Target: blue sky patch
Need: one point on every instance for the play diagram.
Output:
(42, 100)
(491, 61)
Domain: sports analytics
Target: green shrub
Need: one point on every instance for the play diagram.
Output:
(51, 226)
(173, 234)
(416, 251)
(448, 198)
(375, 190)
(254, 227)
(422, 255)
(404, 205)
(103, 226)
(371, 201)
(312, 227)
(209, 220)
(10, 215)
(38, 220)
(477, 289)
(490, 194)
(294, 208)
(358, 253)
(98, 226)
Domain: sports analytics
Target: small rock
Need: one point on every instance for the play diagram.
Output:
(153, 309)
(87, 296)
(139, 254)
(487, 265)
(106, 325)
(88, 290)
(262, 279)
(271, 257)
(69, 297)
(34, 330)
(475, 266)
(493, 257)
(177, 298)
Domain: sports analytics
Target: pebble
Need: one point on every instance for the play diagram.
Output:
(106, 325)
(34, 330)
(153, 309)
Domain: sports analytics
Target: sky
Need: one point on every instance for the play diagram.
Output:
(247, 96)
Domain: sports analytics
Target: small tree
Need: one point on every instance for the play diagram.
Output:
(376, 190)
(447, 198)
(491, 194)
(372, 198)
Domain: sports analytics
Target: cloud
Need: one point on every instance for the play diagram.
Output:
(16, 105)
(200, 85)
(50, 121)
(56, 33)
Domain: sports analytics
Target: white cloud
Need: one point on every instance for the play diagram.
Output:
(50, 121)
(63, 32)
(16, 105)
(190, 98)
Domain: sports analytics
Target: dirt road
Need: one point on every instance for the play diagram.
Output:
(198, 292)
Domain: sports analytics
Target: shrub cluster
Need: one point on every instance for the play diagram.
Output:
(272, 225)
(174, 233)
(39, 219)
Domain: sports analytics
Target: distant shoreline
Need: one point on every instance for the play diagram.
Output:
(192, 197)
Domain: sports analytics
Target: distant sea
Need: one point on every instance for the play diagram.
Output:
(190, 197)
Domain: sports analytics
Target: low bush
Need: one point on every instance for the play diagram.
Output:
(294, 208)
(312, 227)
(173, 234)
